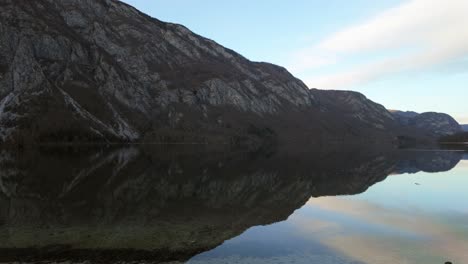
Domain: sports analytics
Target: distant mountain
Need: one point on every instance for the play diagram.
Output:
(403, 117)
(465, 127)
(437, 124)
(80, 70)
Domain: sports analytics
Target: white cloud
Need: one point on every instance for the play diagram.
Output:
(436, 31)
(305, 60)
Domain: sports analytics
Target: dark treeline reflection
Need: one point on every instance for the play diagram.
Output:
(142, 204)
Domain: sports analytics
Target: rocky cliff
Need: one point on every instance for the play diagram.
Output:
(403, 117)
(354, 106)
(435, 124)
(100, 70)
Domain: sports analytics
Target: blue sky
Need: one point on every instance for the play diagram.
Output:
(404, 54)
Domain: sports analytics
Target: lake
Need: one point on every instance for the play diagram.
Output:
(154, 204)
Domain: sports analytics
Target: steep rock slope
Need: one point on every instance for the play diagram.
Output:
(95, 70)
(403, 117)
(105, 69)
(355, 106)
(435, 124)
(99, 70)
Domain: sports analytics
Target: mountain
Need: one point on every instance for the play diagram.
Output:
(436, 124)
(465, 127)
(403, 117)
(80, 70)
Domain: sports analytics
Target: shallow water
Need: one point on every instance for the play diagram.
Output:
(195, 206)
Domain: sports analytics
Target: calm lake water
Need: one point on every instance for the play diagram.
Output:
(193, 206)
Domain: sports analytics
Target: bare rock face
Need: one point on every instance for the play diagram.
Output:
(99, 70)
(435, 124)
(355, 106)
(438, 123)
(403, 117)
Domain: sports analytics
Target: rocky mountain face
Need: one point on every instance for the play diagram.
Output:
(403, 117)
(99, 70)
(133, 205)
(436, 124)
(354, 106)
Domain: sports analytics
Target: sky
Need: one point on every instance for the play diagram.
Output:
(404, 54)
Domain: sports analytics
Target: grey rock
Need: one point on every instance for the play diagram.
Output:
(436, 124)
(102, 63)
(100, 70)
(403, 117)
(356, 106)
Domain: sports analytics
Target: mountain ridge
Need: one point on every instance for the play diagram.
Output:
(437, 124)
(103, 71)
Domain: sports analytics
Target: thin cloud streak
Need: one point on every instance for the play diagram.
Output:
(437, 236)
(409, 23)
(434, 30)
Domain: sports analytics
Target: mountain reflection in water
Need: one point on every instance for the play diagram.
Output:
(140, 204)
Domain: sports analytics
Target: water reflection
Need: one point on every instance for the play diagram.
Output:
(142, 204)
(395, 221)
